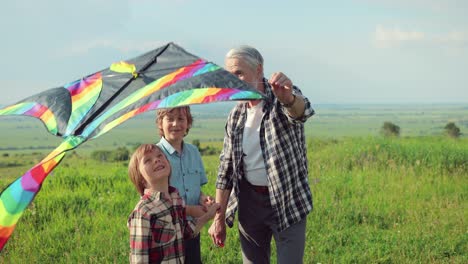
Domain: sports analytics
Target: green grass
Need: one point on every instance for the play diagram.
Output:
(391, 201)
(27, 134)
(400, 200)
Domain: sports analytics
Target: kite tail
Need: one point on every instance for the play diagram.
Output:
(15, 198)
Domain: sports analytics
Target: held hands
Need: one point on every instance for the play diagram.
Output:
(212, 209)
(208, 204)
(209, 214)
(206, 201)
(282, 87)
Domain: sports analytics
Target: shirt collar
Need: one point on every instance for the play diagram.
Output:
(157, 195)
(269, 95)
(169, 148)
(152, 194)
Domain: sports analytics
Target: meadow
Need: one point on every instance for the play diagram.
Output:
(26, 134)
(376, 199)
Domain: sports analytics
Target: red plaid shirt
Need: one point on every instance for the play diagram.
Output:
(158, 227)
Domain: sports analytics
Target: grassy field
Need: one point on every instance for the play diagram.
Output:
(377, 200)
(26, 134)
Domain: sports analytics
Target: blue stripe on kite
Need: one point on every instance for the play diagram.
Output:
(16, 201)
(245, 94)
(19, 194)
(208, 68)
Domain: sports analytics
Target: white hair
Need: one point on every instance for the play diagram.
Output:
(250, 54)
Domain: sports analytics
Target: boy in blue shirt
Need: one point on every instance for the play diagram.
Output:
(188, 172)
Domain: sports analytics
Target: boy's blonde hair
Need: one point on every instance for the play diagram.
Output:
(134, 168)
(161, 113)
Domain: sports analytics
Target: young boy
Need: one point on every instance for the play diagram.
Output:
(188, 172)
(158, 224)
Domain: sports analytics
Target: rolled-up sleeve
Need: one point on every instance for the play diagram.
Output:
(308, 110)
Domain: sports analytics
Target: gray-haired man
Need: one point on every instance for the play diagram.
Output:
(263, 166)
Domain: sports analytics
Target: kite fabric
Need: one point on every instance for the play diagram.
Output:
(85, 109)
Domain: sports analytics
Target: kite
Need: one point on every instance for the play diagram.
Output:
(87, 108)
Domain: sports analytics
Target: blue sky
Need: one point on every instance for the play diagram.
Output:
(349, 51)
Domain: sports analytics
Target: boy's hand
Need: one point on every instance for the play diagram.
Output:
(196, 210)
(206, 200)
(202, 220)
(212, 209)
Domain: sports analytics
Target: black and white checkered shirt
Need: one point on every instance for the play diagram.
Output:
(283, 145)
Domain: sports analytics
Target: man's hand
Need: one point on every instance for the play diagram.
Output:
(282, 87)
(217, 231)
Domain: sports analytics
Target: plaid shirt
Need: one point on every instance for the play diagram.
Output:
(284, 151)
(158, 228)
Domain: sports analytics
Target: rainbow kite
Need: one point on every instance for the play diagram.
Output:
(85, 109)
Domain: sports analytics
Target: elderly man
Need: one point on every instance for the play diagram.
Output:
(263, 166)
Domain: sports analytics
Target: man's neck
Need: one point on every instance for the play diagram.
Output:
(253, 103)
(261, 88)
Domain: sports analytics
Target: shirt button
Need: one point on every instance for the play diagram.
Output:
(186, 190)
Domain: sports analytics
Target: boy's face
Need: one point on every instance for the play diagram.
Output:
(154, 166)
(175, 125)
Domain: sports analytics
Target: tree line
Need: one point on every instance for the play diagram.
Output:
(389, 129)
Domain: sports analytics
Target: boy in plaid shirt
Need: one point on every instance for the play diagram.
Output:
(158, 224)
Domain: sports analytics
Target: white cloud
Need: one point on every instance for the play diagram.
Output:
(455, 38)
(385, 37)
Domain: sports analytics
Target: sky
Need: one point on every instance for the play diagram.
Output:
(348, 51)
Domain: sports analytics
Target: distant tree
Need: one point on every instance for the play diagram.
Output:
(101, 155)
(209, 150)
(452, 130)
(196, 143)
(389, 129)
(121, 154)
(6, 155)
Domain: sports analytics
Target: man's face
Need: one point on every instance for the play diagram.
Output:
(244, 72)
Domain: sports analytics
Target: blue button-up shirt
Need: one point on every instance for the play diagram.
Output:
(187, 171)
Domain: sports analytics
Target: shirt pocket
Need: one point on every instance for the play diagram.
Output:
(163, 230)
(194, 177)
(194, 173)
